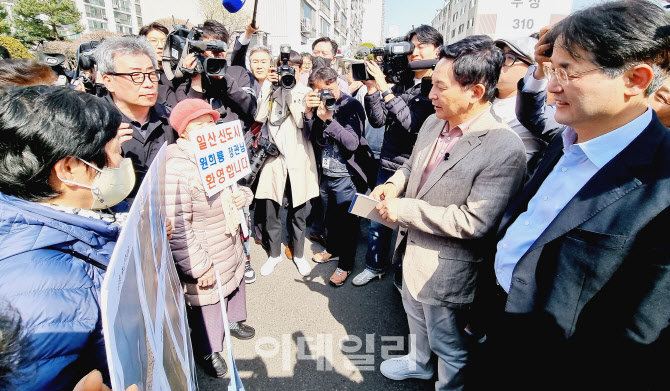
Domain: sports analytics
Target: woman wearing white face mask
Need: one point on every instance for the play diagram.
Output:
(59, 162)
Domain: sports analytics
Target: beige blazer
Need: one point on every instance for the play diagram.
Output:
(296, 160)
(448, 224)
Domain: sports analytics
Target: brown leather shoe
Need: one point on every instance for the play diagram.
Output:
(339, 277)
(289, 251)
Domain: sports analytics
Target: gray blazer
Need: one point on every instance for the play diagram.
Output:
(448, 224)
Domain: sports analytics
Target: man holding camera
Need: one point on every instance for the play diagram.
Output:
(129, 70)
(292, 172)
(229, 92)
(335, 123)
(402, 110)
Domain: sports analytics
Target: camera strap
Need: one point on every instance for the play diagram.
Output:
(281, 120)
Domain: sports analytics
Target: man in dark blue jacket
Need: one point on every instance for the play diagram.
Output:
(402, 110)
(336, 133)
(583, 259)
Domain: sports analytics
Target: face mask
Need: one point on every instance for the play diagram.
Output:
(111, 185)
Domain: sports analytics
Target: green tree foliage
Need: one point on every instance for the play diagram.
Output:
(40, 20)
(4, 23)
(15, 48)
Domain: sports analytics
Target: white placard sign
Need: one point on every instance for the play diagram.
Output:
(143, 310)
(221, 155)
(520, 18)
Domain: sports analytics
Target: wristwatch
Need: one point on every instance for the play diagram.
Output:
(327, 123)
(386, 93)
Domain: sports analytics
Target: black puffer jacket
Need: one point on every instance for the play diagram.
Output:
(402, 117)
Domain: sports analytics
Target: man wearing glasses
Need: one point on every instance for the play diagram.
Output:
(583, 261)
(518, 54)
(130, 72)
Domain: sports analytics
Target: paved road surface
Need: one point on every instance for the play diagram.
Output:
(299, 324)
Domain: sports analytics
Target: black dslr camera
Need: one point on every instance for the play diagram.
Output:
(328, 99)
(183, 41)
(285, 71)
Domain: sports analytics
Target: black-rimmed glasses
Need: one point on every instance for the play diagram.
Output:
(138, 77)
(511, 58)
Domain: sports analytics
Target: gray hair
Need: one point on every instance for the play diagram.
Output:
(112, 47)
(263, 49)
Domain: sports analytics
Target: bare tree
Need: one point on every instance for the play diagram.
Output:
(168, 22)
(212, 9)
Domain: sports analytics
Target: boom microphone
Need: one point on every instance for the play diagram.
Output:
(422, 64)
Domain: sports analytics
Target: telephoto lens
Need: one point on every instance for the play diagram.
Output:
(328, 99)
(286, 72)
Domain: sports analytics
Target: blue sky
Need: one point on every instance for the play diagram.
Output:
(404, 14)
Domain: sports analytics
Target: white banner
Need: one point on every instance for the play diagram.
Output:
(143, 309)
(221, 155)
(520, 18)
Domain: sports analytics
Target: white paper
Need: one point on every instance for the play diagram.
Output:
(365, 206)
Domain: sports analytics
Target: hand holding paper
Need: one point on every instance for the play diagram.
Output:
(366, 206)
(388, 209)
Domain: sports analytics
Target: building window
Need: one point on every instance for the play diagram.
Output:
(325, 27)
(124, 29)
(453, 33)
(121, 5)
(138, 10)
(139, 21)
(95, 25)
(307, 11)
(122, 18)
(95, 12)
(96, 2)
(460, 29)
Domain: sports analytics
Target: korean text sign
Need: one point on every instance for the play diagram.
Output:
(221, 155)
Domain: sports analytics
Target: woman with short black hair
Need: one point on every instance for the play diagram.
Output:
(60, 161)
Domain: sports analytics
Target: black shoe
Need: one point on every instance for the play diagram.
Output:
(214, 365)
(240, 330)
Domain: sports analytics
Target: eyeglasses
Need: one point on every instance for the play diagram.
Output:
(138, 77)
(562, 75)
(511, 58)
(157, 42)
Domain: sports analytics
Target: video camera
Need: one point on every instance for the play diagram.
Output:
(392, 59)
(86, 62)
(183, 41)
(285, 71)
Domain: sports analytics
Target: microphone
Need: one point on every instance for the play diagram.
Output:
(422, 64)
(446, 156)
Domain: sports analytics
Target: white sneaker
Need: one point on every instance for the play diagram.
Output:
(269, 265)
(303, 266)
(366, 276)
(402, 368)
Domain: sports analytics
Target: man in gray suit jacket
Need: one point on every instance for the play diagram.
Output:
(466, 165)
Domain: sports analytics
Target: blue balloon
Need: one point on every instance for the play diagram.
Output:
(233, 6)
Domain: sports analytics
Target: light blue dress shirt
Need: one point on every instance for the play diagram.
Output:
(579, 163)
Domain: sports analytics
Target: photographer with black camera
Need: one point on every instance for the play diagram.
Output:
(402, 109)
(292, 172)
(225, 87)
(335, 123)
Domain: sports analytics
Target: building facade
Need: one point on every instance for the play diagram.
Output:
(373, 22)
(341, 20)
(497, 18)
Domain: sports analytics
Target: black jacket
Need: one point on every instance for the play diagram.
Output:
(231, 96)
(347, 130)
(403, 117)
(589, 301)
(142, 150)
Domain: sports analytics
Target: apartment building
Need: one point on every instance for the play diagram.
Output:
(496, 18)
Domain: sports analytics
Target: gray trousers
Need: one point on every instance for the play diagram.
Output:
(440, 330)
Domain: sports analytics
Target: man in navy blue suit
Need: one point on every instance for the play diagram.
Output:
(582, 265)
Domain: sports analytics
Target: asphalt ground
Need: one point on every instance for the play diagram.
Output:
(312, 336)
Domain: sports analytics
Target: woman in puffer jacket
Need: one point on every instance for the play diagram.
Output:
(206, 239)
(60, 161)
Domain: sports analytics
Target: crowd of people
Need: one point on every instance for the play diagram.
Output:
(530, 186)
